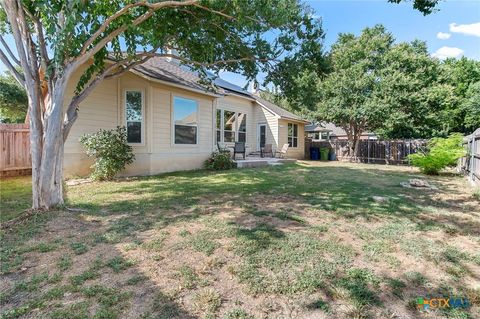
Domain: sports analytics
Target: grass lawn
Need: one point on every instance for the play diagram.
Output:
(301, 240)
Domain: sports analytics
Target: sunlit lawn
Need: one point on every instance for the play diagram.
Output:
(297, 241)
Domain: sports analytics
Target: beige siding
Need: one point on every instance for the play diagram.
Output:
(104, 108)
(262, 115)
(98, 110)
(293, 152)
(240, 105)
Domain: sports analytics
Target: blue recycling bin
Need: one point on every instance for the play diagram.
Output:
(332, 156)
(314, 153)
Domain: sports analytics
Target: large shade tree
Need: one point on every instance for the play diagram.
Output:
(53, 39)
(349, 95)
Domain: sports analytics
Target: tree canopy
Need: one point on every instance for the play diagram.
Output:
(424, 6)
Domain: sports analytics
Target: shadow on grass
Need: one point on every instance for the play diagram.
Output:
(141, 204)
(346, 191)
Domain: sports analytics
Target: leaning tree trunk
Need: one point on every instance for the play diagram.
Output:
(47, 141)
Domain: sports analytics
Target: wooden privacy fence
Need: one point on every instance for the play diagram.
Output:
(371, 151)
(470, 164)
(15, 150)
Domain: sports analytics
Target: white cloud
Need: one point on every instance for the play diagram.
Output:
(443, 35)
(466, 29)
(447, 52)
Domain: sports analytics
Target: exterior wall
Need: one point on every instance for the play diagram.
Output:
(98, 110)
(240, 105)
(104, 108)
(262, 115)
(293, 152)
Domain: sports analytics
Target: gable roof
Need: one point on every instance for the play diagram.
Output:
(172, 72)
(330, 127)
(281, 112)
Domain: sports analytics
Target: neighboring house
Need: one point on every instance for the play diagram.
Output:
(328, 131)
(174, 121)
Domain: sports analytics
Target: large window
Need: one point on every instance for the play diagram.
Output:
(242, 127)
(185, 113)
(134, 116)
(231, 126)
(292, 135)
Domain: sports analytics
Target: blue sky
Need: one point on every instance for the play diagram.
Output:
(457, 20)
(405, 23)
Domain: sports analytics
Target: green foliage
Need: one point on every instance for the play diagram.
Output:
(111, 152)
(442, 152)
(471, 107)
(203, 32)
(424, 6)
(298, 74)
(13, 100)
(350, 94)
(219, 161)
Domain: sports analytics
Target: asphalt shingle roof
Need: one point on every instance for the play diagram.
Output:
(164, 70)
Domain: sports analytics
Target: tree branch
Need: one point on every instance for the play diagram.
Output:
(19, 77)
(214, 11)
(153, 7)
(10, 53)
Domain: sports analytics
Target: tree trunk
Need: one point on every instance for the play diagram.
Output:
(47, 142)
(356, 143)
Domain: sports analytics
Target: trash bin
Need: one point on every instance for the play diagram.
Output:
(324, 153)
(332, 156)
(314, 153)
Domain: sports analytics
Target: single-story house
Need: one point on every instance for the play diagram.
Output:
(174, 120)
(325, 131)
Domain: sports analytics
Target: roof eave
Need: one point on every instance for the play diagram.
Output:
(185, 87)
(282, 117)
(295, 120)
(240, 96)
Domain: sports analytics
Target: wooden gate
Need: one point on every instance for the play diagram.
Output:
(15, 150)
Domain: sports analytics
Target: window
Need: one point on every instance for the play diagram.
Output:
(325, 136)
(314, 136)
(185, 112)
(134, 116)
(229, 126)
(219, 126)
(292, 135)
(242, 127)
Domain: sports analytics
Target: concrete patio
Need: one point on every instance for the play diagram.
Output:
(262, 161)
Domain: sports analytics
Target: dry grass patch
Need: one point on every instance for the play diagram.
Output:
(297, 241)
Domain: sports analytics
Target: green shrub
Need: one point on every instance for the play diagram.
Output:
(111, 152)
(220, 160)
(442, 152)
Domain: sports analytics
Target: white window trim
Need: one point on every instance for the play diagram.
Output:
(172, 116)
(292, 136)
(142, 131)
(238, 126)
(222, 126)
